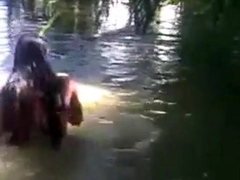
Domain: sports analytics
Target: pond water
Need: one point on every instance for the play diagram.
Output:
(138, 118)
(118, 74)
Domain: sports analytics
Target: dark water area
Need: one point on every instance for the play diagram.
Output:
(161, 106)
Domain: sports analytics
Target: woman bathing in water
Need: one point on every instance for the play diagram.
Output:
(57, 100)
(30, 52)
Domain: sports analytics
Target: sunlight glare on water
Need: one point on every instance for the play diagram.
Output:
(168, 26)
(89, 94)
(5, 61)
(118, 16)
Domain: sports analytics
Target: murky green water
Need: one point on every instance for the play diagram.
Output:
(147, 116)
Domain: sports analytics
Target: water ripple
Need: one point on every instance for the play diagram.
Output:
(133, 67)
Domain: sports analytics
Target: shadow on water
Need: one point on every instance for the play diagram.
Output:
(200, 136)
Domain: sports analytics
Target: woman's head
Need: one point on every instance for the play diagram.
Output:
(30, 48)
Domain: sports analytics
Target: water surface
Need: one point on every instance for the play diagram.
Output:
(121, 78)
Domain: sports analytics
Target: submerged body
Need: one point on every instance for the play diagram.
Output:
(23, 110)
(57, 100)
(18, 108)
(30, 54)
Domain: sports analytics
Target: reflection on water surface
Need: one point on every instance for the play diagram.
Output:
(121, 80)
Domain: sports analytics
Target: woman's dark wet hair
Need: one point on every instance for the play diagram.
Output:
(31, 50)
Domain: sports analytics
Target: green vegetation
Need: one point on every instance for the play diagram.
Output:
(219, 13)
